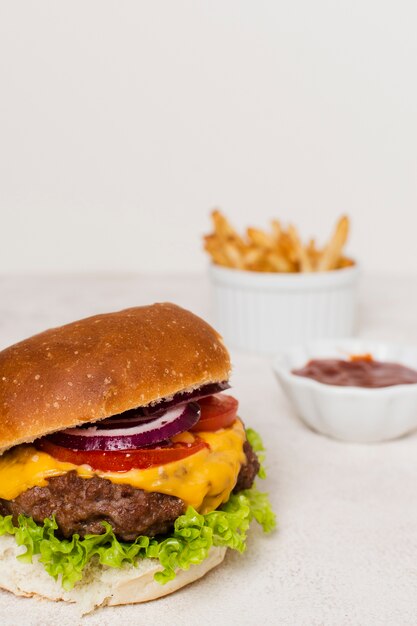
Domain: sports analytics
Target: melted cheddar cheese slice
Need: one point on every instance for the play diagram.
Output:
(203, 480)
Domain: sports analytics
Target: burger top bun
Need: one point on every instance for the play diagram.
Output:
(104, 365)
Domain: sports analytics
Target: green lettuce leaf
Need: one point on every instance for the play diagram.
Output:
(189, 543)
(256, 442)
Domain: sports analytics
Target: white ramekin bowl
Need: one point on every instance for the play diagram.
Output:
(265, 312)
(353, 414)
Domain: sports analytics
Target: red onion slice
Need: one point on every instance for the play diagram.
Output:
(166, 425)
(178, 398)
(145, 414)
(121, 421)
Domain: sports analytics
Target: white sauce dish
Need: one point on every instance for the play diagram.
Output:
(353, 414)
(264, 312)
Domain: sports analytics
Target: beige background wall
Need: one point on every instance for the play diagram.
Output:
(123, 122)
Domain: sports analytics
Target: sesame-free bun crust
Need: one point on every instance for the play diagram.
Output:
(104, 365)
(101, 585)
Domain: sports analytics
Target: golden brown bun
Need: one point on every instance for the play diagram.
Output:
(101, 586)
(104, 365)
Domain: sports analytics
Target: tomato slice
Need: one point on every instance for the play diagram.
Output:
(123, 461)
(217, 412)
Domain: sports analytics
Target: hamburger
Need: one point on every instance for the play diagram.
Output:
(125, 471)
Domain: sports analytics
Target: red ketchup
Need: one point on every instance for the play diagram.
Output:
(358, 371)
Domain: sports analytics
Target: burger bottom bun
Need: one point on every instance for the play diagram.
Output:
(101, 585)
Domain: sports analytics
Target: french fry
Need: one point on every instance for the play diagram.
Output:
(253, 257)
(264, 266)
(260, 238)
(223, 228)
(287, 247)
(332, 252)
(234, 255)
(345, 261)
(276, 230)
(211, 244)
(302, 256)
(276, 250)
(279, 263)
(313, 253)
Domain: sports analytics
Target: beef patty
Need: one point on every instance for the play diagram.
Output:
(248, 471)
(80, 505)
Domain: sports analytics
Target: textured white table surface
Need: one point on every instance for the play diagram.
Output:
(346, 549)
